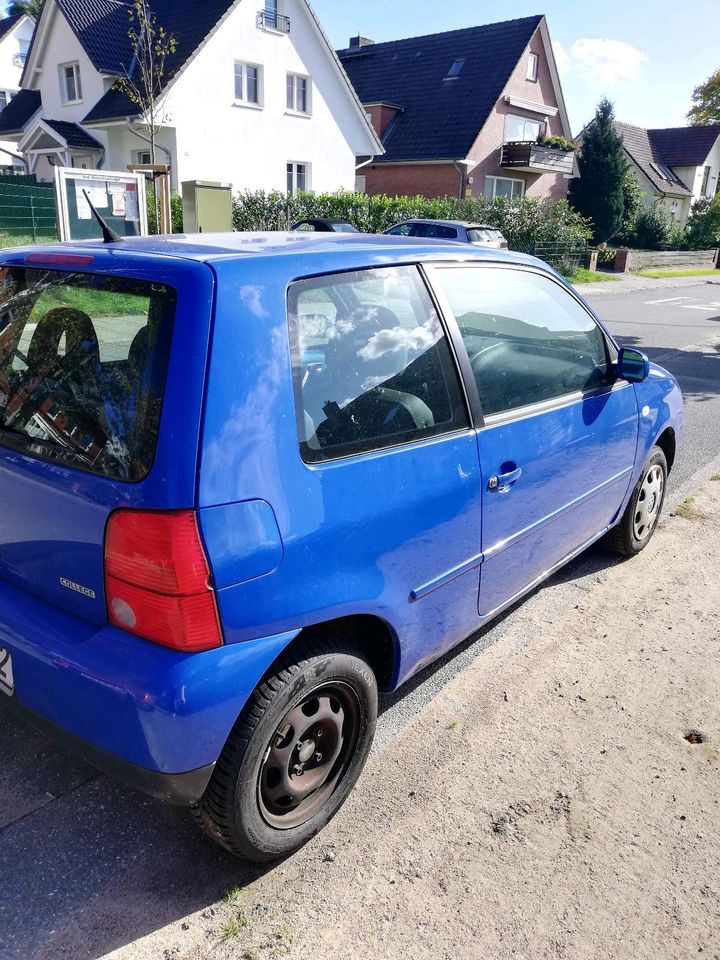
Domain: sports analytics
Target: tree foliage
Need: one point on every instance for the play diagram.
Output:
(706, 102)
(598, 192)
(31, 7)
(703, 226)
(144, 79)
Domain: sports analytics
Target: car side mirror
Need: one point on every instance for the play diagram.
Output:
(633, 365)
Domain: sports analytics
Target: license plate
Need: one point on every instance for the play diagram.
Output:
(7, 681)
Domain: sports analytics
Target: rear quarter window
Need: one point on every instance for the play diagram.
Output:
(83, 361)
(371, 363)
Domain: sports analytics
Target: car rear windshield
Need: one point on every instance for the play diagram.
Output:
(483, 235)
(83, 361)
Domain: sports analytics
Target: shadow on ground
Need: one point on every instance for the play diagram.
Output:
(89, 865)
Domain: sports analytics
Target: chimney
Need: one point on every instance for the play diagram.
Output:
(358, 41)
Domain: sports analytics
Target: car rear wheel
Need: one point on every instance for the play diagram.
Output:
(294, 755)
(634, 531)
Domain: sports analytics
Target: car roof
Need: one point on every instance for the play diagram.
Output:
(331, 250)
(468, 224)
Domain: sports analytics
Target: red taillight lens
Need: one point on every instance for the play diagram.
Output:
(157, 579)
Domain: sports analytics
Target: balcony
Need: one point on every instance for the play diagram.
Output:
(270, 20)
(535, 158)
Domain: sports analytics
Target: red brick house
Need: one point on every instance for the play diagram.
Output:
(461, 113)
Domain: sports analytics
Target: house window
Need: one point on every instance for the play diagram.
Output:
(70, 86)
(532, 66)
(705, 182)
(248, 77)
(298, 177)
(298, 93)
(521, 128)
(503, 187)
(141, 157)
(455, 70)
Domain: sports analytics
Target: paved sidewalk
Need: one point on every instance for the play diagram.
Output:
(626, 282)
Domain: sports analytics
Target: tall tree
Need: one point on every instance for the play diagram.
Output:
(32, 7)
(706, 102)
(598, 193)
(144, 79)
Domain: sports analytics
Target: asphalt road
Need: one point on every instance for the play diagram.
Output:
(89, 866)
(679, 328)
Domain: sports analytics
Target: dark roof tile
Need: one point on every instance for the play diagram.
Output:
(638, 144)
(17, 113)
(684, 146)
(441, 118)
(74, 135)
(8, 23)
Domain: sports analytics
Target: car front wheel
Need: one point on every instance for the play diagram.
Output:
(294, 755)
(634, 531)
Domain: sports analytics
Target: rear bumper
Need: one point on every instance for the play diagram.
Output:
(182, 789)
(130, 707)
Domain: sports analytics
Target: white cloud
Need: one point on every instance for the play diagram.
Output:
(562, 58)
(601, 61)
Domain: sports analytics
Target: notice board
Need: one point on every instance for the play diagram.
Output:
(118, 197)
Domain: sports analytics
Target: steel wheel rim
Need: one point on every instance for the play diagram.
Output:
(308, 755)
(648, 503)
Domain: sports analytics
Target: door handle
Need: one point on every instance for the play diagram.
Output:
(502, 482)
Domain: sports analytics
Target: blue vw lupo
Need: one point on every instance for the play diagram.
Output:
(248, 480)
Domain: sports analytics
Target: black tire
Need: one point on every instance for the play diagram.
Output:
(631, 535)
(242, 808)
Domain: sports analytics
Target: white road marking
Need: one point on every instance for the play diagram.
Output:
(687, 306)
(669, 300)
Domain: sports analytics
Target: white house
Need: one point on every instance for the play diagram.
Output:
(254, 96)
(15, 36)
(674, 166)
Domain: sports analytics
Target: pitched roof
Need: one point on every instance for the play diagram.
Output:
(685, 146)
(441, 117)
(8, 23)
(74, 136)
(102, 27)
(17, 113)
(641, 148)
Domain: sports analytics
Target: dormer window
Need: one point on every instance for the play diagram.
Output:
(532, 66)
(70, 86)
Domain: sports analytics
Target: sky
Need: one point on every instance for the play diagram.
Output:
(645, 57)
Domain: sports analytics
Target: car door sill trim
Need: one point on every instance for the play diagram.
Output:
(485, 617)
(419, 592)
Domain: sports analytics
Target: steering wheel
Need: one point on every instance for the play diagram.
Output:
(485, 351)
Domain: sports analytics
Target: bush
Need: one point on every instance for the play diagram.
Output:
(557, 142)
(703, 226)
(653, 229)
(525, 223)
(176, 210)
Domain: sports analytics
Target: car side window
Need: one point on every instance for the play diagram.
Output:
(527, 338)
(371, 363)
(434, 231)
(402, 230)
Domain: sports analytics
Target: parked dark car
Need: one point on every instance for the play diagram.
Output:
(325, 226)
(246, 481)
(480, 234)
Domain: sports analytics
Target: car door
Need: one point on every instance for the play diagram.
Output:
(558, 440)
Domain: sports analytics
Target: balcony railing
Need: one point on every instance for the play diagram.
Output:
(269, 20)
(536, 158)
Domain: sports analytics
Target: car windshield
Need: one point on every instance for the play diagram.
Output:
(83, 360)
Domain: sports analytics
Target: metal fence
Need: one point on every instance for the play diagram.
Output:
(564, 257)
(27, 209)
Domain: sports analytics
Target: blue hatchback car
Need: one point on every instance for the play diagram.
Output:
(248, 480)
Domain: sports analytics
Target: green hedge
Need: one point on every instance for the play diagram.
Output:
(525, 222)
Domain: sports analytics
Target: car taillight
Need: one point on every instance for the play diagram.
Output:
(157, 579)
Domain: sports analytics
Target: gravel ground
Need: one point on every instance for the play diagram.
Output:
(544, 803)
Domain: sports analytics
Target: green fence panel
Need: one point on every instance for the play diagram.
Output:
(27, 209)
